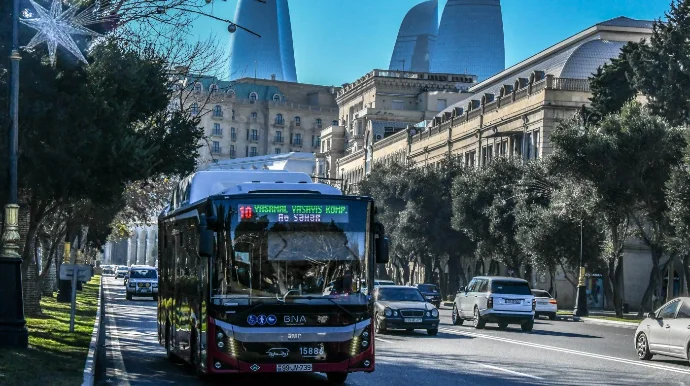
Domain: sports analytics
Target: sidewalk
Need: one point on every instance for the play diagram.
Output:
(606, 318)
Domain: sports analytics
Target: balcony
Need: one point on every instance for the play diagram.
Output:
(279, 122)
(253, 154)
(216, 150)
(279, 140)
(217, 133)
(232, 153)
(217, 115)
(254, 138)
(233, 136)
(297, 143)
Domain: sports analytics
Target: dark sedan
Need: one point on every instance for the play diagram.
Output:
(403, 308)
(431, 293)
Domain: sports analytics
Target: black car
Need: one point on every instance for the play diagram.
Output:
(431, 293)
(403, 308)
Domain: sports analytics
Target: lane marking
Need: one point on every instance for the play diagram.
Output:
(120, 373)
(507, 371)
(568, 351)
(383, 340)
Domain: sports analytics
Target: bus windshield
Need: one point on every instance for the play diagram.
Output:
(293, 252)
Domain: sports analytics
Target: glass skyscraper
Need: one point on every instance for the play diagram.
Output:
(416, 38)
(271, 54)
(470, 39)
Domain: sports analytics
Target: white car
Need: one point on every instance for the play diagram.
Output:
(143, 281)
(665, 331)
(546, 304)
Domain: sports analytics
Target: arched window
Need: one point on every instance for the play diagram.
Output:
(276, 98)
(254, 116)
(217, 111)
(233, 115)
(279, 119)
(194, 109)
(231, 92)
(213, 88)
(198, 87)
(253, 96)
(298, 121)
(318, 123)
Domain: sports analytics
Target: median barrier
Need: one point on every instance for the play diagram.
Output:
(91, 357)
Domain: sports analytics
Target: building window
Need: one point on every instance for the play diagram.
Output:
(253, 152)
(298, 139)
(231, 93)
(217, 130)
(197, 88)
(254, 116)
(195, 109)
(536, 144)
(298, 121)
(232, 150)
(279, 137)
(318, 123)
(441, 104)
(528, 146)
(255, 135)
(217, 111)
(277, 150)
(213, 88)
(233, 115)
(253, 96)
(215, 147)
(313, 141)
(233, 133)
(335, 123)
(398, 105)
(279, 119)
(276, 98)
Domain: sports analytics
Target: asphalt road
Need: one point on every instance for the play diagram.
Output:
(555, 353)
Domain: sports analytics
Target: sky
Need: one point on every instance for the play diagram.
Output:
(339, 41)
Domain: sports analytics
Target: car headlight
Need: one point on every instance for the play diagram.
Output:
(428, 314)
(434, 313)
(388, 312)
(131, 284)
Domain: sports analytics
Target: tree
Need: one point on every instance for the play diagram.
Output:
(627, 159)
(678, 200)
(612, 85)
(660, 68)
(484, 203)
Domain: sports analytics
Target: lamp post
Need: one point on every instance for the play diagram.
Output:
(581, 299)
(13, 332)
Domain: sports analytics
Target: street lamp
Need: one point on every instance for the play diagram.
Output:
(13, 332)
(581, 299)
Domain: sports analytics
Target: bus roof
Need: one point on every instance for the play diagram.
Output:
(203, 184)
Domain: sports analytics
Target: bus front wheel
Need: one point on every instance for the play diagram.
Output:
(337, 378)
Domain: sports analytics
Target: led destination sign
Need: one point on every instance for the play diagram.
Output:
(295, 213)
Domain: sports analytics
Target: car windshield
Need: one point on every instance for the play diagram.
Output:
(282, 252)
(122, 269)
(143, 274)
(400, 294)
(540, 294)
(427, 288)
(510, 288)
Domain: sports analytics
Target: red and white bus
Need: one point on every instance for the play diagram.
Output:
(263, 272)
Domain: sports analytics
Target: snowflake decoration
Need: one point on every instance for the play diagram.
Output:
(56, 27)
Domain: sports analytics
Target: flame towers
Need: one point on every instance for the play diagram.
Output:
(271, 54)
(417, 38)
(469, 39)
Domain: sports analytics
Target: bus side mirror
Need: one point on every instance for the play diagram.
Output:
(382, 244)
(205, 238)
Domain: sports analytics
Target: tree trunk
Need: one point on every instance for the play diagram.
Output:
(647, 304)
(686, 270)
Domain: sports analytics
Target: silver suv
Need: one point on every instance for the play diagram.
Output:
(143, 281)
(495, 299)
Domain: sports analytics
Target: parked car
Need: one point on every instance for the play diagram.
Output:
(404, 308)
(495, 299)
(143, 281)
(546, 304)
(665, 331)
(431, 293)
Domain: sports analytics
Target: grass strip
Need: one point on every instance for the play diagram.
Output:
(55, 356)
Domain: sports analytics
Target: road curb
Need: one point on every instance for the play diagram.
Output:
(90, 365)
(614, 323)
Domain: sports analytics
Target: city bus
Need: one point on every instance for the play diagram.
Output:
(265, 272)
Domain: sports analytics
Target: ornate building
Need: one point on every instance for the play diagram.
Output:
(254, 117)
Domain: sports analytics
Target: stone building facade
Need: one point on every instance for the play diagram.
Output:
(512, 114)
(379, 105)
(253, 117)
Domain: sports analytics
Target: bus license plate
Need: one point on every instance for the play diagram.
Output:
(413, 320)
(293, 368)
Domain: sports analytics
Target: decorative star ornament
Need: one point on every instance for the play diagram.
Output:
(56, 27)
